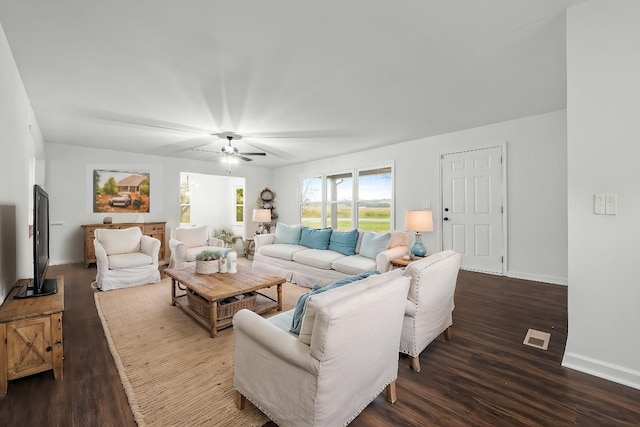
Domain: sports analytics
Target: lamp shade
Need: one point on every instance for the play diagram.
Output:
(261, 215)
(419, 221)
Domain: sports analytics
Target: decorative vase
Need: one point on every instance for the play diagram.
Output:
(223, 265)
(207, 267)
(232, 260)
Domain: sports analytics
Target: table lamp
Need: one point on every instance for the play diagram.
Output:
(419, 221)
(262, 216)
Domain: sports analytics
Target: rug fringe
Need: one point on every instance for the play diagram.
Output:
(137, 413)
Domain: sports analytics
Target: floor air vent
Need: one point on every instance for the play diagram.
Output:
(537, 339)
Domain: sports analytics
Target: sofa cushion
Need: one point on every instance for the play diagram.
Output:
(121, 241)
(300, 309)
(282, 320)
(131, 260)
(315, 238)
(192, 236)
(285, 252)
(289, 234)
(318, 258)
(374, 243)
(344, 242)
(353, 264)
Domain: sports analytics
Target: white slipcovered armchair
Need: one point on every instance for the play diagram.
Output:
(429, 304)
(345, 356)
(125, 257)
(187, 242)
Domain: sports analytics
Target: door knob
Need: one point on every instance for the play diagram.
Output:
(445, 218)
(446, 209)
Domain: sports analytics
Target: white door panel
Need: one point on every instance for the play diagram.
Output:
(472, 208)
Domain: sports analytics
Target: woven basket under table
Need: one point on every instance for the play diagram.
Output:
(226, 308)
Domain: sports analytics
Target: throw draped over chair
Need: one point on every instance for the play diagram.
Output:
(429, 304)
(187, 242)
(345, 356)
(125, 257)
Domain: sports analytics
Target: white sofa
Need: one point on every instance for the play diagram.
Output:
(430, 302)
(307, 266)
(345, 356)
(187, 242)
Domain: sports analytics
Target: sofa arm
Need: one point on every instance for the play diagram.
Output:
(383, 259)
(178, 253)
(273, 340)
(101, 255)
(263, 240)
(150, 246)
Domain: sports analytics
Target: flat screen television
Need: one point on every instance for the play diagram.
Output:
(40, 285)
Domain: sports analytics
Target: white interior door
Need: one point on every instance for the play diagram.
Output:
(472, 208)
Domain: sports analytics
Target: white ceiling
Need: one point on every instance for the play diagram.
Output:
(304, 79)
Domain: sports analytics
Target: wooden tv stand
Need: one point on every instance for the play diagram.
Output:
(30, 335)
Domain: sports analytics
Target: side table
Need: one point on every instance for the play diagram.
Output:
(249, 248)
(402, 263)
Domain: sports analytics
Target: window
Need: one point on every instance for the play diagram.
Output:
(375, 194)
(239, 204)
(338, 207)
(311, 201)
(185, 202)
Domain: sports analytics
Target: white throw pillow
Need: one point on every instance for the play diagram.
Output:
(122, 241)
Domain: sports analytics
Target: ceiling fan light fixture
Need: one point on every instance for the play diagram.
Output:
(229, 159)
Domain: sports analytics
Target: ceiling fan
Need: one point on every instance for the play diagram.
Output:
(231, 151)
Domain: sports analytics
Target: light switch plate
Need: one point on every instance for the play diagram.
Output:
(599, 204)
(611, 203)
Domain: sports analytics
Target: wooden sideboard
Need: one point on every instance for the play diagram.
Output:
(153, 229)
(30, 335)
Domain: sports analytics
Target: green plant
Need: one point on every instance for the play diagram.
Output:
(226, 236)
(208, 255)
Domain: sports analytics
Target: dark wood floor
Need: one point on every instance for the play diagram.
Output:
(484, 376)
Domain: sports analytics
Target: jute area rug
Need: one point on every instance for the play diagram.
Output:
(174, 374)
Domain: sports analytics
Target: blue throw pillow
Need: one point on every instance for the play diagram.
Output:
(296, 323)
(374, 243)
(289, 234)
(344, 242)
(315, 238)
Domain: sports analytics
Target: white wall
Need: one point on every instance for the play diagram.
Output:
(603, 107)
(20, 143)
(537, 197)
(66, 177)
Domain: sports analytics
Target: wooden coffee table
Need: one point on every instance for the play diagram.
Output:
(216, 287)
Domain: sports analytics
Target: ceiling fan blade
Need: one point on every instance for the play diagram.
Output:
(246, 159)
(204, 150)
(269, 150)
(253, 154)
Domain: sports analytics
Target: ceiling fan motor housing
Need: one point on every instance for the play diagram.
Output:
(228, 149)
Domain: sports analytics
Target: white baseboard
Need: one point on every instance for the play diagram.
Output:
(598, 368)
(538, 278)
